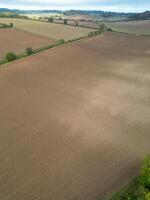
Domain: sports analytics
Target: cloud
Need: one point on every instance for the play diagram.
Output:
(118, 5)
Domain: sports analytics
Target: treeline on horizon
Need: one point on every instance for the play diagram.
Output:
(100, 13)
(68, 12)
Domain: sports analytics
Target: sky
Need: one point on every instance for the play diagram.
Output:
(106, 5)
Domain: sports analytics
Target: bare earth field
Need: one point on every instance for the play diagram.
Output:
(92, 25)
(75, 120)
(14, 40)
(94, 18)
(136, 27)
(50, 30)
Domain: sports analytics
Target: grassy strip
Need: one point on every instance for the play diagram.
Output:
(2, 25)
(126, 33)
(59, 43)
(127, 191)
(139, 188)
(23, 55)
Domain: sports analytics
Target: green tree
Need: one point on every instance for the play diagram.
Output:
(76, 23)
(62, 41)
(96, 32)
(102, 27)
(10, 56)
(147, 196)
(29, 50)
(11, 25)
(65, 21)
(91, 34)
(145, 172)
(51, 19)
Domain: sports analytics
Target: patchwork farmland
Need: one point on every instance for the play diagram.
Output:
(75, 120)
(14, 40)
(50, 30)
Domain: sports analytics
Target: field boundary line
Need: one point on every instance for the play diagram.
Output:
(20, 57)
(19, 29)
(132, 34)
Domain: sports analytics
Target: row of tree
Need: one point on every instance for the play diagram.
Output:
(10, 56)
(2, 25)
(102, 28)
(51, 20)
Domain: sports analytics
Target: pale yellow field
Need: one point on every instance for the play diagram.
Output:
(50, 30)
(36, 16)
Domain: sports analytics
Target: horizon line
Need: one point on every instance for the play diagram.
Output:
(73, 9)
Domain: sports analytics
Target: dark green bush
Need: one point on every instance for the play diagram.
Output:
(109, 29)
(139, 189)
(91, 34)
(11, 25)
(29, 50)
(145, 173)
(62, 41)
(51, 19)
(65, 21)
(96, 32)
(11, 56)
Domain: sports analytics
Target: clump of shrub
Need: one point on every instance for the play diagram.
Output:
(11, 56)
(65, 21)
(76, 23)
(147, 196)
(11, 25)
(103, 28)
(2, 25)
(139, 189)
(91, 34)
(62, 41)
(96, 32)
(51, 19)
(145, 173)
(109, 29)
(29, 50)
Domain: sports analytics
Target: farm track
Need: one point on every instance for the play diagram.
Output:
(75, 120)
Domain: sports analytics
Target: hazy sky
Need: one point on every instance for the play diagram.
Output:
(112, 5)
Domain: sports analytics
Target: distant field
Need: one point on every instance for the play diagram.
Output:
(14, 40)
(136, 27)
(36, 16)
(80, 23)
(94, 18)
(75, 120)
(80, 17)
(50, 30)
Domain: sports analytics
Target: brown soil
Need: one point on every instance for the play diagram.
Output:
(141, 27)
(75, 120)
(13, 40)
